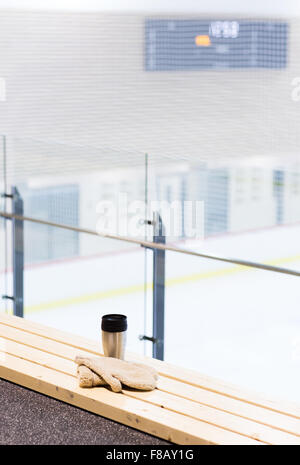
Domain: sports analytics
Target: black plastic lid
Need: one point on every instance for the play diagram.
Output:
(114, 323)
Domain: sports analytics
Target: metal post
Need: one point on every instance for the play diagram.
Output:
(158, 289)
(18, 253)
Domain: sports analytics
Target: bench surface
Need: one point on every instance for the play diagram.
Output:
(186, 408)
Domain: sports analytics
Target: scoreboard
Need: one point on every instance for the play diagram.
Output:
(214, 44)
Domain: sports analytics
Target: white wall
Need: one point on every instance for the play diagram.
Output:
(251, 201)
(254, 7)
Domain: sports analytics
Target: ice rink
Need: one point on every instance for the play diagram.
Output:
(230, 322)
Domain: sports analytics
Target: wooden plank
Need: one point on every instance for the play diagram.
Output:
(168, 400)
(226, 404)
(131, 412)
(54, 334)
(165, 369)
(48, 345)
(235, 392)
(216, 417)
(91, 347)
(258, 414)
(31, 354)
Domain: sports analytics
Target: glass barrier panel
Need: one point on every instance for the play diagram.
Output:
(246, 209)
(5, 234)
(234, 323)
(77, 185)
(72, 293)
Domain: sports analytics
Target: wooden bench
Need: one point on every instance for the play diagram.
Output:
(187, 408)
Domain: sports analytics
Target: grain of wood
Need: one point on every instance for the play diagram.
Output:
(89, 348)
(261, 415)
(131, 412)
(190, 377)
(164, 400)
(51, 354)
(226, 404)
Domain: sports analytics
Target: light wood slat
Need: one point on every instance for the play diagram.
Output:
(216, 417)
(229, 405)
(258, 414)
(177, 373)
(37, 341)
(31, 354)
(168, 400)
(217, 386)
(131, 412)
(54, 334)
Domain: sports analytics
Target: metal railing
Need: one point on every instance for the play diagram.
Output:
(158, 246)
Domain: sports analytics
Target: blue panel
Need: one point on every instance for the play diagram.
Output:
(278, 192)
(216, 202)
(214, 44)
(58, 204)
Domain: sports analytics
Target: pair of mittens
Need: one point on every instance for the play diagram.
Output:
(99, 371)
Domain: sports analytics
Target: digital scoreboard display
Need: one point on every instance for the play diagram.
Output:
(202, 44)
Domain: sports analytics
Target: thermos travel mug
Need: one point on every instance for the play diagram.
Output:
(114, 330)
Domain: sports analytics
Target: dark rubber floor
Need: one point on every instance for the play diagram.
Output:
(27, 417)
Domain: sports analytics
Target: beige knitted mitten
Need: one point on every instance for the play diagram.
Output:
(107, 370)
(87, 378)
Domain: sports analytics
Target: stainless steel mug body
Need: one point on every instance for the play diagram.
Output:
(114, 332)
(114, 344)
